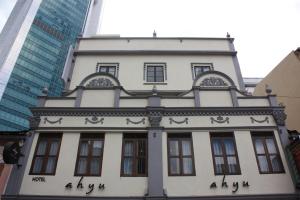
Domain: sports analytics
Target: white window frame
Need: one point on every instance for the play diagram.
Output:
(193, 65)
(116, 65)
(164, 65)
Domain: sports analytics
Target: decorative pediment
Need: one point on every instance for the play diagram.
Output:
(213, 82)
(100, 80)
(100, 83)
(213, 79)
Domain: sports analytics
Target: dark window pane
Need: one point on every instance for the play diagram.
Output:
(97, 148)
(217, 147)
(50, 165)
(53, 148)
(174, 166)
(141, 168)
(229, 146)
(150, 79)
(95, 166)
(219, 162)
(263, 163)
(128, 149)
(174, 148)
(259, 146)
(159, 69)
(150, 69)
(42, 148)
(232, 164)
(141, 148)
(187, 165)
(271, 145)
(82, 165)
(276, 163)
(186, 148)
(84, 149)
(37, 167)
(128, 163)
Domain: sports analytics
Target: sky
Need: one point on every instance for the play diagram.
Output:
(265, 31)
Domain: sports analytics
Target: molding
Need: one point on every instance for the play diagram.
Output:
(180, 129)
(291, 196)
(259, 121)
(152, 52)
(163, 111)
(46, 120)
(171, 120)
(151, 38)
(94, 120)
(219, 120)
(142, 121)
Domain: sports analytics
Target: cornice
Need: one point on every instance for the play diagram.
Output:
(163, 111)
(152, 52)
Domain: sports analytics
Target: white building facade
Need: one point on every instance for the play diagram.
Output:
(155, 118)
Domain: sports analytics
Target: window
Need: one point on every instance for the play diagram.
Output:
(111, 68)
(134, 155)
(200, 68)
(155, 72)
(224, 153)
(46, 154)
(267, 154)
(180, 155)
(89, 155)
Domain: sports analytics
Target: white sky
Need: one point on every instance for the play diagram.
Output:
(265, 31)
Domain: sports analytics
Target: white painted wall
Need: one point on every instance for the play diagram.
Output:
(117, 43)
(114, 184)
(131, 69)
(215, 99)
(199, 185)
(98, 98)
(254, 102)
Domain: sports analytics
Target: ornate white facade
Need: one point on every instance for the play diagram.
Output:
(153, 87)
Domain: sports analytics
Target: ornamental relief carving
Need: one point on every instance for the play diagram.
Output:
(185, 120)
(219, 120)
(100, 83)
(46, 120)
(94, 120)
(213, 82)
(142, 121)
(253, 120)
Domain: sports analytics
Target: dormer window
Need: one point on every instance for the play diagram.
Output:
(111, 68)
(198, 68)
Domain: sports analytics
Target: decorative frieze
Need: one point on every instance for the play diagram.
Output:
(219, 120)
(142, 121)
(171, 120)
(94, 120)
(46, 120)
(259, 121)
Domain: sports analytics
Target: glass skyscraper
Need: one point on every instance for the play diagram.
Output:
(41, 61)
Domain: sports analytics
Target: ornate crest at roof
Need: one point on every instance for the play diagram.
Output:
(100, 83)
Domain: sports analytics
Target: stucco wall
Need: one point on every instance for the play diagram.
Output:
(131, 69)
(200, 184)
(284, 81)
(114, 184)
